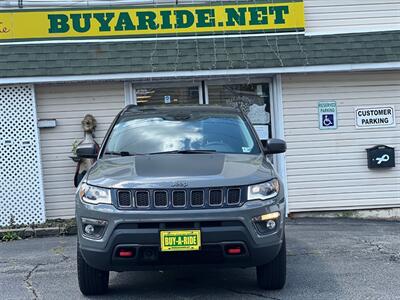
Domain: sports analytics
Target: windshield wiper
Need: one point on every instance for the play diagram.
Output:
(122, 153)
(184, 152)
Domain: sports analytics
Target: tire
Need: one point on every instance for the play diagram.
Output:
(91, 281)
(272, 276)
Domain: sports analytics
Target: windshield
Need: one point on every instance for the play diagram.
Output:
(224, 133)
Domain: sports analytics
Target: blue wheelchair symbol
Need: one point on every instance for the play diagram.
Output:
(328, 120)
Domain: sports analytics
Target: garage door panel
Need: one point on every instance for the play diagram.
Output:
(328, 168)
(353, 171)
(305, 188)
(318, 176)
(342, 205)
(367, 196)
(328, 191)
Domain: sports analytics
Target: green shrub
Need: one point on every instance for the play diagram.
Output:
(10, 236)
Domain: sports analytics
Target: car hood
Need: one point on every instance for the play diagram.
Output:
(180, 171)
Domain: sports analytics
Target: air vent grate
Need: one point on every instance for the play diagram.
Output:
(233, 196)
(124, 198)
(197, 198)
(160, 199)
(142, 199)
(178, 198)
(215, 197)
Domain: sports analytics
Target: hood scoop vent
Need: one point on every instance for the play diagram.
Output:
(171, 165)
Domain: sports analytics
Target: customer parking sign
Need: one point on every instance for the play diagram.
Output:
(327, 115)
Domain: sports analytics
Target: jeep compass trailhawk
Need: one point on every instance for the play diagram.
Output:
(177, 186)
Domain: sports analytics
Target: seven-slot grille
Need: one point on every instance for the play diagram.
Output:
(197, 198)
(180, 199)
(233, 196)
(216, 197)
(160, 199)
(124, 198)
(142, 199)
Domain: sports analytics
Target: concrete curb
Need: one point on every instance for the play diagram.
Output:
(386, 214)
(29, 232)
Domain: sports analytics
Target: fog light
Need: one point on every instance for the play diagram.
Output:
(93, 228)
(89, 229)
(270, 224)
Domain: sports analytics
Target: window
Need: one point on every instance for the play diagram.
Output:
(144, 134)
(185, 93)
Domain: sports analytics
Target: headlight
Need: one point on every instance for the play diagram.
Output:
(263, 191)
(94, 195)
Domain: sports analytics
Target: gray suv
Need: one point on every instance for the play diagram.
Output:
(177, 186)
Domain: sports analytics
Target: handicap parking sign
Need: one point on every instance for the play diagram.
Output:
(328, 120)
(327, 115)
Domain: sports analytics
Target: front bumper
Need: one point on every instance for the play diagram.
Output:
(140, 230)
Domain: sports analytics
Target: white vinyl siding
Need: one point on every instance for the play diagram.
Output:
(348, 16)
(327, 169)
(68, 104)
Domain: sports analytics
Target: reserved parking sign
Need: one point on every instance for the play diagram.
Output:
(327, 115)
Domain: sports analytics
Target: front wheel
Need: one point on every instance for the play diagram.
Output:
(272, 276)
(91, 281)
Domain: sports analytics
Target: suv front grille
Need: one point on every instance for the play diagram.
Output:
(160, 199)
(199, 198)
(142, 199)
(233, 196)
(216, 197)
(124, 198)
(178, 199)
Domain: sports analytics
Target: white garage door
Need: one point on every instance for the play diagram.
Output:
(327, 169)
(68, 104)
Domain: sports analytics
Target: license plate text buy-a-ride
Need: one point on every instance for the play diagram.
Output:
(185, 240)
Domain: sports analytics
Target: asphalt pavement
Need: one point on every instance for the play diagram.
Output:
(327, 259)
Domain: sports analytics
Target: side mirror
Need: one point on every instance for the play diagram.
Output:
(86, 151)
(274, 146)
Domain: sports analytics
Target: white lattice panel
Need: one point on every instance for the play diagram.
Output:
(20, 176)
